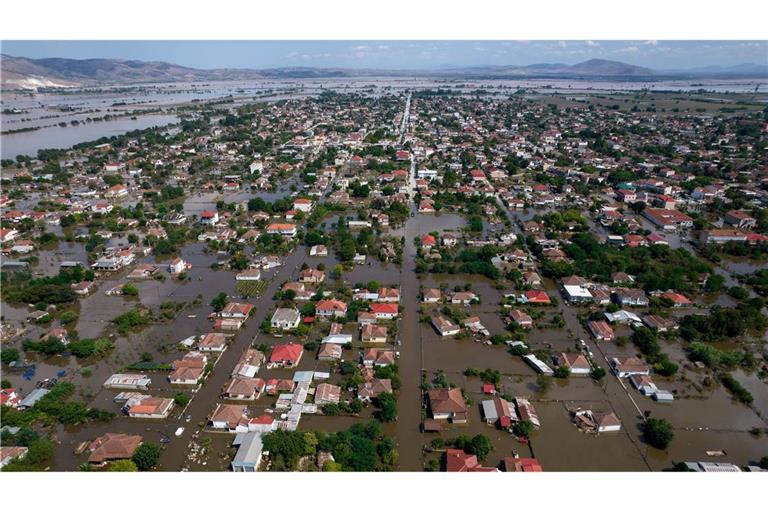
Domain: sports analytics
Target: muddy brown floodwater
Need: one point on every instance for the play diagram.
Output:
(704, 414)
(409, 404)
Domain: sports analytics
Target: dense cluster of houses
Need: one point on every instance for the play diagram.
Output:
(679, 181)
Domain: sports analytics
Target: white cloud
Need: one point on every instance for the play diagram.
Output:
(652, 42)
(592, 43)
(562, 44)
(628, 49)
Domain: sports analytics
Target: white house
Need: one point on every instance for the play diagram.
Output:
(209, 217)
(285, 319)
(177, 266)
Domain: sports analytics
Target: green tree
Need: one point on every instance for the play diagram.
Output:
(347, 250)
(285, 448)
(219, 302)
(481, 446)
(73, 413)
(522, 428)
(181, 399)
(658, 432)
(310, 443)
(331, 466)
(387, 407)
(146, 456)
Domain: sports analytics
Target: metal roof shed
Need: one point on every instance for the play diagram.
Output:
(32, 398)
(248, 456)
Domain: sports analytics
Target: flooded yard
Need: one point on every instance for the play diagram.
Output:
(560, 446)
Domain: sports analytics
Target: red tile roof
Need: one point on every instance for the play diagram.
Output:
(289, 352)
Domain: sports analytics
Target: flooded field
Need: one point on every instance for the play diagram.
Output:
(201, 201)
(562, 447)
(29, 142)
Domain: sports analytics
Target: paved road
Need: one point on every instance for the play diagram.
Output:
(208, 396)
(408, 429)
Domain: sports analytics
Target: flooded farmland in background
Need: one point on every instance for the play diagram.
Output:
(29, 142)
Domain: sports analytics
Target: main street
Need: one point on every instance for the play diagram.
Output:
(408, 429)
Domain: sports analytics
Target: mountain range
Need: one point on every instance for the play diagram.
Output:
(25, 73)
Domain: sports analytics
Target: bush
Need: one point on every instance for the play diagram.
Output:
(181, 399)
(123, 465)
(9, 355)
(330, 409)
(129, 320)
(90, 347)
(658, 432)
(50, 347)
(544, 382)
(519, 350)
(738, 391)
(356, 406)
(738, 293)
(100, 415)
(68, 317)
(666, 368)
(130, 290)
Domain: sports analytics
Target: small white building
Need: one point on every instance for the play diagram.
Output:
(177, 266)
(285, 319)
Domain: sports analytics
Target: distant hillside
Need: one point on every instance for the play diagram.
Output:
(600, 67)
(19, 72)
(587, 69)
(24, 73)
(738, 69)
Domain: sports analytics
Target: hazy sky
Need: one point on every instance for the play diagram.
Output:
(401, 54)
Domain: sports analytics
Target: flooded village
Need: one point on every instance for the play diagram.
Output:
(388, 275)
